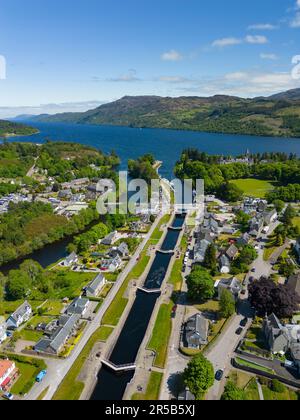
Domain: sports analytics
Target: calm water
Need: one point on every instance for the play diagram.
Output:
(166, 145)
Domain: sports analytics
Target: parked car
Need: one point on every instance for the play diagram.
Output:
(239, 331)
(41, 376)
(219, 375)
(8, 396)
(244, 322)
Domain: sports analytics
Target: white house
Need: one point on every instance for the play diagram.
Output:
(94, 288)
(70, 260)
(6, 371)
(3, 335)
(224, 264)
(21, 315)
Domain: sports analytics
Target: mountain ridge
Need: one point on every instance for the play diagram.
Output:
(277, 115)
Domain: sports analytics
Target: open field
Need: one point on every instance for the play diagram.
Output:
(254, 187)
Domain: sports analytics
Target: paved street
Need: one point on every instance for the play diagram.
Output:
(58, 369)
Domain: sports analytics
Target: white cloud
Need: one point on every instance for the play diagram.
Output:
(131, 76)
(256, 39)
(236, 76)
(174, 79)
(263, 26)
(265, 56)
(295, 22)
(171, 55)
(226, 42)
(11, 112)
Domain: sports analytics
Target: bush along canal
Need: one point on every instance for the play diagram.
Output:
(119, 371)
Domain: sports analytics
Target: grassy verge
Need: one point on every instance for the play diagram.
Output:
(176, 273)
(246, 363)
(161, 335)
(153, 389)
(43, 394)
(71, 389)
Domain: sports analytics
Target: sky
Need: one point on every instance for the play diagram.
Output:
(74, 55)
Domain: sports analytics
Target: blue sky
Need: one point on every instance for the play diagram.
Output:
(75, 54)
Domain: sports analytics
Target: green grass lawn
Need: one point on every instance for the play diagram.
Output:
(247, 383)
(153, 389)
(28, 368)
(161, 335)
(7, 308)
(287, 395)
(70, 389)
(29, 335)
(296, 221)
(254, 187)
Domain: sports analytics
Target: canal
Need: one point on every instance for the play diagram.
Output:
(111, 385)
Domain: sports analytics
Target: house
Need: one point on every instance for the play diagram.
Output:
(294, 283)
(3, 335)
(7, 373)
(65, 194)
(270, 217)
(66, 326)
(231, 284)
(196, 331)
(224, 264)
(276, 338)
(70, 260)
(21, 315)
(256, 226)
(122, 250)
(200, 251)
(282, 338)
(244, 239)
(109, 239)
(78, 306)
(232, 252)
(112, 264)
(95, 287)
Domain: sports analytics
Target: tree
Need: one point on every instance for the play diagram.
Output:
(210, 259)
(288, 216)
(18, 285)
(33, 269)
(230, 192)
(243, 219)
(233, 393)
(200, 285)
(199, 376)
(227, 304)
(279, 205)
(268, 297)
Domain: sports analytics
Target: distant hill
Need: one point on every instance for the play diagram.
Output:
(278, 115)
(11, 129)
(290, 95)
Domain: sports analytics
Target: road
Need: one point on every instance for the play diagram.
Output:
(58, 369)
(223, 351)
